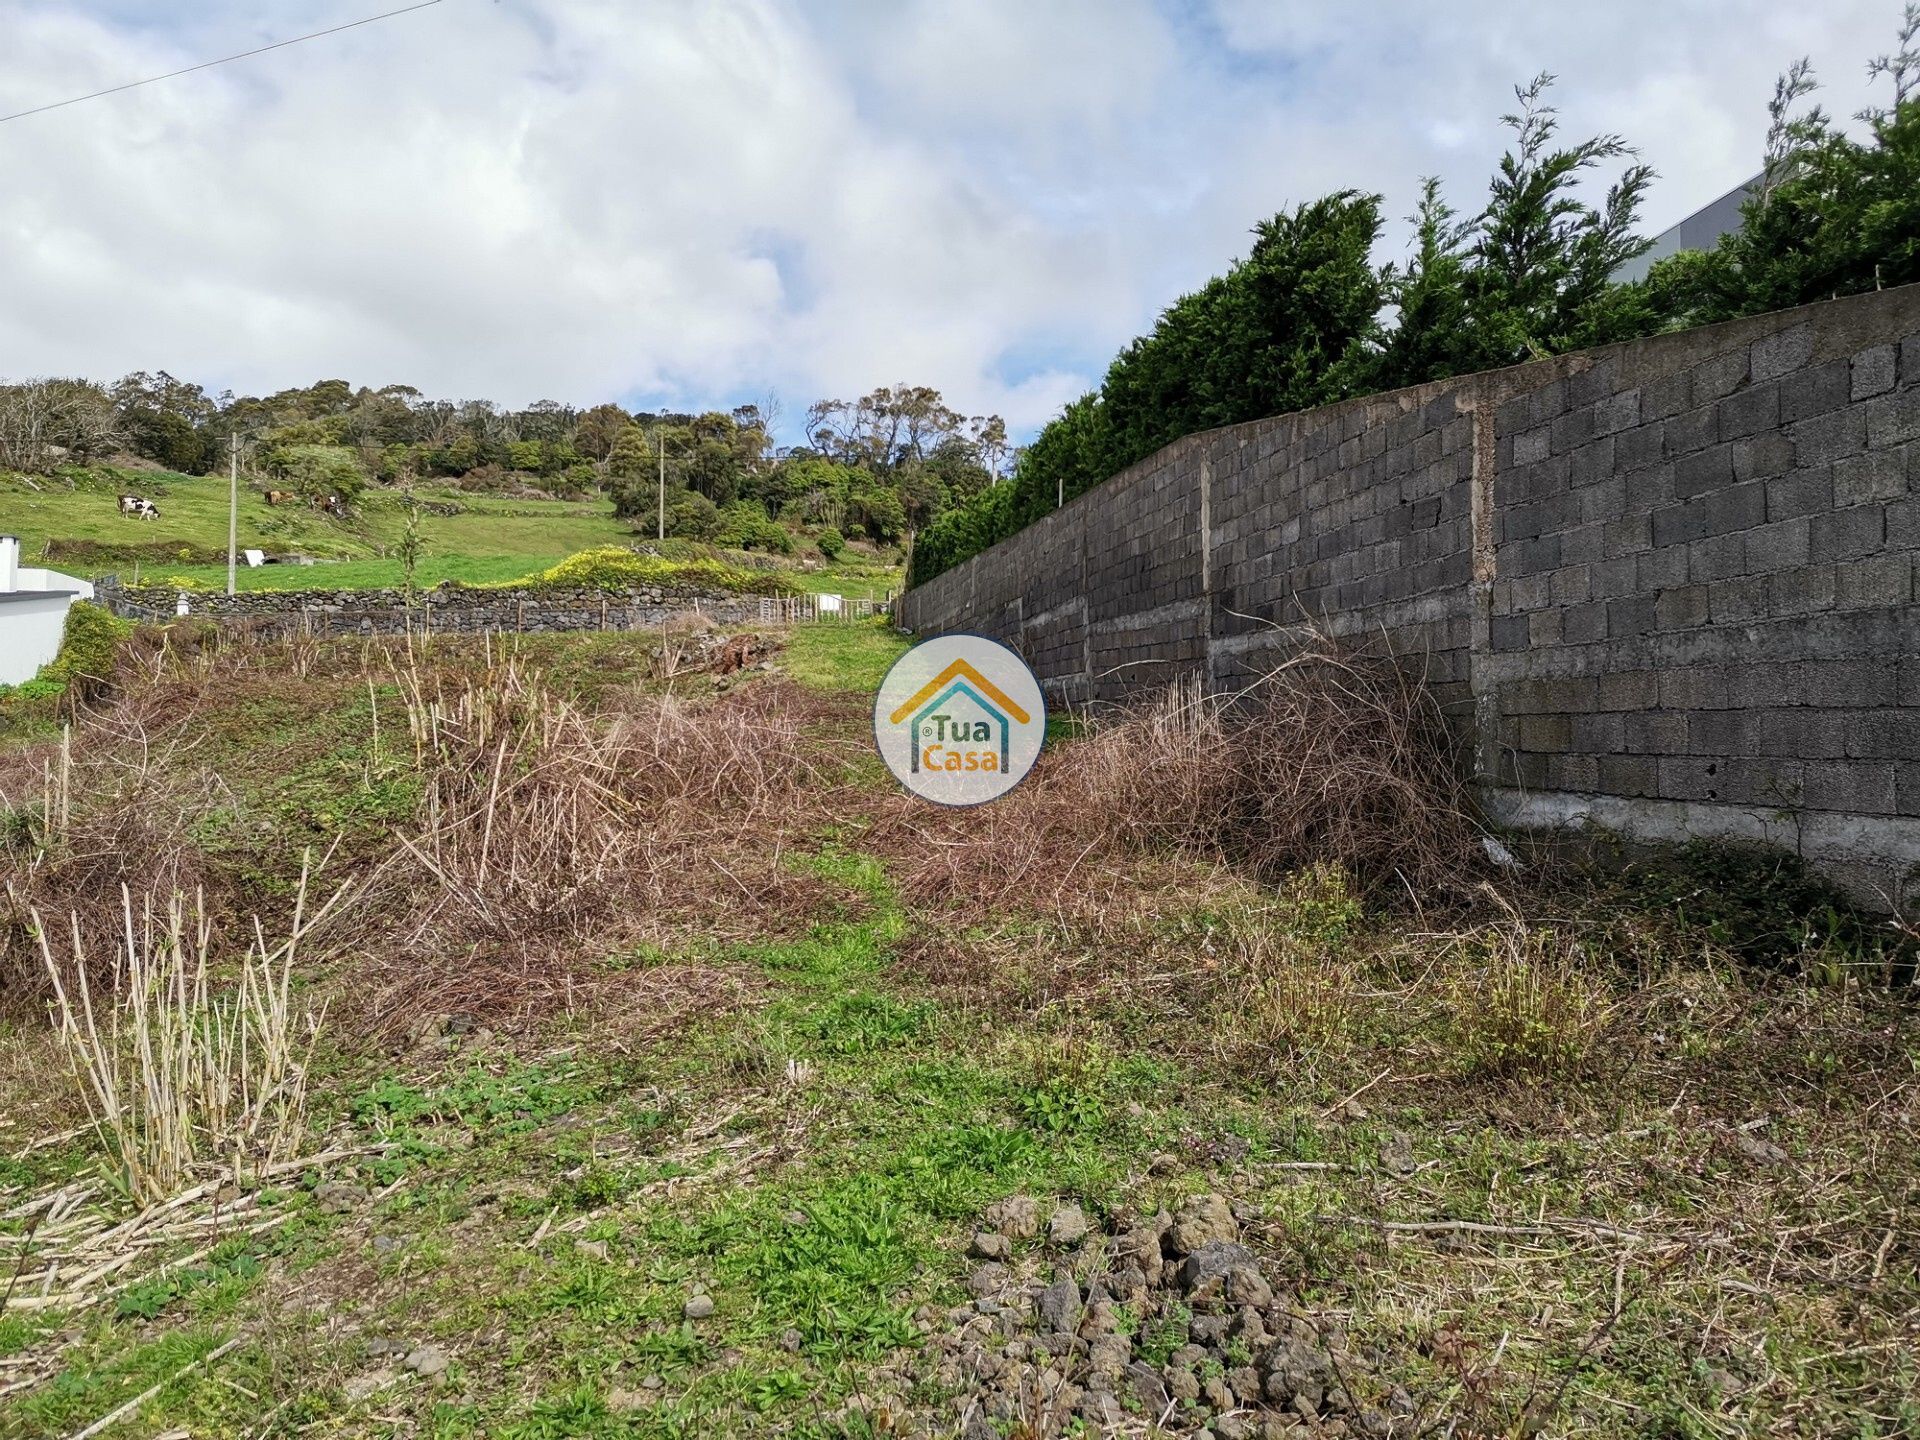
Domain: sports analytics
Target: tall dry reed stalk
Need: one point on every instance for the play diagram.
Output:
(180, 1075)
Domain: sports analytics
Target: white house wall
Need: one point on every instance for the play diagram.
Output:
(30, 629)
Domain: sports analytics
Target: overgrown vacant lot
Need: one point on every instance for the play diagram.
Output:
(677, 1074)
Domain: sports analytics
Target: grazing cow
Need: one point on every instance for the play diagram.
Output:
(281, 497)
(139, 506)
(333, 505)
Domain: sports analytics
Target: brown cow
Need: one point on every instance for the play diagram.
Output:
(281, 497)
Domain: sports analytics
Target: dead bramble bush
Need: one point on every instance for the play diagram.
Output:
(552, 836)
(1337, 756)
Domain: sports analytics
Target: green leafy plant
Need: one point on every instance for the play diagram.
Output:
(1764, 906)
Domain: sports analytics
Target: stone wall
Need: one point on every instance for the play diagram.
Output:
(440, 611)
(1667, 586)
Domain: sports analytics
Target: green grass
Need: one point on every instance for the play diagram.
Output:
(851, 657)
(491, 540)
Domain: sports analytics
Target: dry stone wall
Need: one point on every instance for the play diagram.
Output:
(1668, 587)
(441, 610)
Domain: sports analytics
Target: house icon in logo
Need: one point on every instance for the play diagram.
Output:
(959, 679)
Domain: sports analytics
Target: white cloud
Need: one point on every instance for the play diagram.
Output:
(698, 200)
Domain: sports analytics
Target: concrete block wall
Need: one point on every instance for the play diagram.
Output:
(1668, 587)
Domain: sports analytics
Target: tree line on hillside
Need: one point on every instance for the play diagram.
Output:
(876, 468)
(1307, 318)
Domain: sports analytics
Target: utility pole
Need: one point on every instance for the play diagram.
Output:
(660, 436)
(233, 504)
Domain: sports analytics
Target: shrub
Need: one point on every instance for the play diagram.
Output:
(611, 567)
(88, 649)
(831, 543)
(692, 516)
(744, 525)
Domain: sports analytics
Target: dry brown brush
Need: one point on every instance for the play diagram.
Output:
(551, 837)
(106, 808)
(1336, 757)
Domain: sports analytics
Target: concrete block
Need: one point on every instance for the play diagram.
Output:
(1603, 733)
(1800, 592)
(1719, 732)
(1692, 430)
(1721, 375)
(1617, 412)
(1874, 371)
(1634, 615)
(1761, 457)
(1681, 608)
(1876, 580)
(1717, 558)
(1777, 354)
(1572, 430)
(1884, 734)
(1678, 524)
(1584, 624)
(1528, 592)
(1738, 507)
(1903, 524)
(1803, 492)
(1662, 568)
(1805, 734)
(1665, 396)
(1682, 778)
(1640, 447)
(1542, 733)
(1856, 683)
(1627, 536)
(1703, 470)
(1530, 557)
(1779, 545)
(1649, 489)
(1735, 601)
(1830, 437)
(1655, 732)
(1701, 688)
(1750, 412)
(1893, 419)
(1629, 775)
(1876, 475)
(1616, 577)
(1848, 534)
(1854, 787)
(1814, 391)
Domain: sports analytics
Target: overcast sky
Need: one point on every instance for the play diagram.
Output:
(694, 203)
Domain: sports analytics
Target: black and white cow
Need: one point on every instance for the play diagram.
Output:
(139, 506)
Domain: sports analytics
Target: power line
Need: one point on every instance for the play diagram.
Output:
(223, 60)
